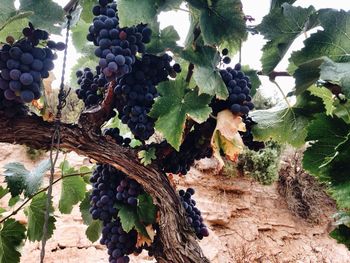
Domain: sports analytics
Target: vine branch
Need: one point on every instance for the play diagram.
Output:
(177, 242)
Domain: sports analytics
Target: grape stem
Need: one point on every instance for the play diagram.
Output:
(272, 75)
(14, 212)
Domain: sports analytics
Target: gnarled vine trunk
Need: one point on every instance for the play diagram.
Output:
(176, 241)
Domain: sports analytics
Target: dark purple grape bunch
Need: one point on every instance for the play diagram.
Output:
(193, 214)
(105, 180)
(128, 190)
(135, 92)
(23, 64)
(92, 86)
(111, 186)
(238, 86)
(115, 134)
(118, 242)
(247, 136)
(117, 46)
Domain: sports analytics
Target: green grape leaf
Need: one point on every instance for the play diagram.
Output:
(133, 12)
(206, 74)
(79, 38)
(342, 235)
(19, 179)
(306, 75)
(2, 210)
(84, 209)
(94, 230)
(86, 172)
(332, 41)
(254, 78)
(324, 134)
(278, 3)
(15, 174)
(162, 41)
(73, 189)
(210, 82)
(221, 21)
(36, 217)
(341, 194)
(281, 27)
(173, 107)
(3, 192)
(342, 110)
(7, 11)
(336, 169)
(326, 96)
(146, 210)
(337, 73)
(12, 234)
(128, 217)
(47, 14)
(202, 56)
(146, 157)
(280, 123)
(86, 13)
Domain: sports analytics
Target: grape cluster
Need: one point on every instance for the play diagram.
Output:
(111, 186)
(193, 214)
(92, 86)
(117, 46)
(238, 86)
(115, 134)
(118, 242)
(196, 146)
(135, 92)
(23, 64)
(247, 136)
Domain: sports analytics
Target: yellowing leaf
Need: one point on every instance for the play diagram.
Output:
(142, 240)
(226, 136)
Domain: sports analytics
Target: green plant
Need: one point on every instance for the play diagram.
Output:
(262, 165)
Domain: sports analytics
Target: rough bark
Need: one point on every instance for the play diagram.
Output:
(176, 241)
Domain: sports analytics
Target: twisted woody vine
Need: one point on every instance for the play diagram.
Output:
(152, 107)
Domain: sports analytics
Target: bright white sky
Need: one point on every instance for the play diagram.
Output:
(251, 49)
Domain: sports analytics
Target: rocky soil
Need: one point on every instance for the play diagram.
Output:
(248, 223)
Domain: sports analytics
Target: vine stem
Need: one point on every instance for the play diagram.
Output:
(182, 9)
(14, 212)
(280, 89)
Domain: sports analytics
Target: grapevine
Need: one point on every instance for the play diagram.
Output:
(172, 100)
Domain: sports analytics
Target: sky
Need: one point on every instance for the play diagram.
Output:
(251, 49)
